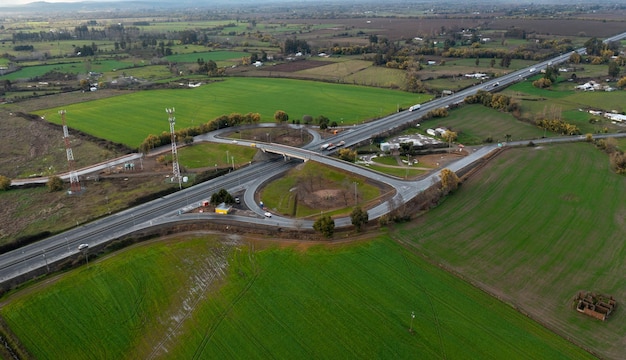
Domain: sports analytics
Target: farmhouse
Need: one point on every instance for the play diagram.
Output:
(615, 117)
(477, 76)
(589, 86)
(386, 146)
(595, 305)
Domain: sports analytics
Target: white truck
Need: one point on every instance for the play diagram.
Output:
(415, 107)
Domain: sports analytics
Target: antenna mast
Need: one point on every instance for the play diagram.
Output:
(175, 167)
(74, 183)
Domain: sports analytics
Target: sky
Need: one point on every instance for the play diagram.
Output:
(22, 2)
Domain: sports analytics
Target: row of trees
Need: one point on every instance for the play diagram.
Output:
(186, 135)
(617, 157)
(495, 101)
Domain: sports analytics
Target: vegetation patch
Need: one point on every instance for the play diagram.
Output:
(146, 110)
(514, 228)
(313, 187)
(200, 298)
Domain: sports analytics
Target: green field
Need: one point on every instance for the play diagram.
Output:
(208, 55)
(280, 196)
(129, 119)
(210, 155)
(535, 227)
(325, 302)
(75, 67)
(474, 123)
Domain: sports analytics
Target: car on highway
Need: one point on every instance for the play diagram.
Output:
(83, 246)
(268, 214)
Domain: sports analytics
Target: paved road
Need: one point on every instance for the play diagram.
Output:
(170, 208)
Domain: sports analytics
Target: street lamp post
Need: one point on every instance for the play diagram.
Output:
(412, 317)
(356, 199)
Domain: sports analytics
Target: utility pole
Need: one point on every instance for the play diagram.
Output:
(175, 167)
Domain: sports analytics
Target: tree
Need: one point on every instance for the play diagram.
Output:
(5, 183)
(622, 82)
(594, 46)
(552, 73)
(323, 122)
(325, 225)
(542, 83)
(307, 119)
(281, 117)
(54, 184)
(449, 181)
(222, 196)
(449, 136)
(614, 69)
(359, 217)
(575, 58)
(347, 155)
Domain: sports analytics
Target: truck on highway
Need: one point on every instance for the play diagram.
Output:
(415, 107)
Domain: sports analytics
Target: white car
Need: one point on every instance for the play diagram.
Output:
(83, 246)
(268, 214)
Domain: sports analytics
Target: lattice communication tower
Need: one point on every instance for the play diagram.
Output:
(74, 182)
(175, 167)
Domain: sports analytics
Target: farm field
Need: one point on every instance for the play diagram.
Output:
(568, 102)
(223, 297)
(208, 55)
(474, 123)
(145, 111)
(534, 227)
(74, 67)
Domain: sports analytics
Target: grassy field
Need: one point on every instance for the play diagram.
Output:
(208, 55)
(131, 118)
(474, 123)
(199, 299)
(535, 227)
(75, 67)
(214, 155)
(279, 195)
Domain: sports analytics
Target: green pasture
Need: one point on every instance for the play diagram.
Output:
(129, 119)
(474, 123)
(149, 301)
(537, 225)
(56, 48)
(279, 195)
(405, 172)
(214, 155)
(110, 309)
(338, 68)
(166, 26)
(378, 76)
(208, 55)
(77, 66)
(148, 72)
(568, 102)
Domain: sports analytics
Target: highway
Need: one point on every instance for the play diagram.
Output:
(172, 208)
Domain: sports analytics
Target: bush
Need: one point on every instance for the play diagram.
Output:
(5, 183)
(54, 184)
